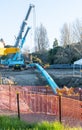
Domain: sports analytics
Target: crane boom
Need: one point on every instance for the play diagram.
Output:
(23, 39)
(23, 26)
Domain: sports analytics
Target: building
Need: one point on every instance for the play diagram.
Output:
(2, 43)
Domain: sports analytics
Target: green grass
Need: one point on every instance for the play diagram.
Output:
(8, 123)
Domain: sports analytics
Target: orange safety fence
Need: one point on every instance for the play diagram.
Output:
(70, 108)
(29, 101)
(33, 102)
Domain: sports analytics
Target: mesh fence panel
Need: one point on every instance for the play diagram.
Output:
(33, 102)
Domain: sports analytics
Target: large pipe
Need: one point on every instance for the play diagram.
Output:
(51, 82)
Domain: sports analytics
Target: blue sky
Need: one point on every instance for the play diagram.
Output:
(51, 13)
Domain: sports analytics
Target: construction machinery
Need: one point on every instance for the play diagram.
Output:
(6, 51)
(36, 59)
(16, 60)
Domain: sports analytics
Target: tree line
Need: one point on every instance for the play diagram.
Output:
(67, 50)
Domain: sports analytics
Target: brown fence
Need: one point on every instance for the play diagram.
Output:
(32, 102)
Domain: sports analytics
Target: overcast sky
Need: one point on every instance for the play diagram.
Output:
(51, 13)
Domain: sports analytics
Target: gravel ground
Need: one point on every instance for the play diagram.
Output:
(32, 77)
(28, 77)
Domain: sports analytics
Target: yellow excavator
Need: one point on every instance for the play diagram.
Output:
(36, 59)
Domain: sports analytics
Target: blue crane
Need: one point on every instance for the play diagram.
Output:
(17, 60)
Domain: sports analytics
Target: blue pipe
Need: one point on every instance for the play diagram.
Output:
(51, 82)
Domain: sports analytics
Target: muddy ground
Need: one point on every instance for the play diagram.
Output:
(32, 77)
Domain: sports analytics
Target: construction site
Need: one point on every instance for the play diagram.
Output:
(44, 93)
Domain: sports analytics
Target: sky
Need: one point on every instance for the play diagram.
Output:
(52, 14)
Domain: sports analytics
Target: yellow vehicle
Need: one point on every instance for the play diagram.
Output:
(35, 59)
(6, 51)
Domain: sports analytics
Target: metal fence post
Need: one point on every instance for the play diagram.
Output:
(60, 109)
(18, 107)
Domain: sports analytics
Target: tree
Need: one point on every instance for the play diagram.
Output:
(65, 35)
(55, 43)
(71, 34)
(41, 39)
(77, 31)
